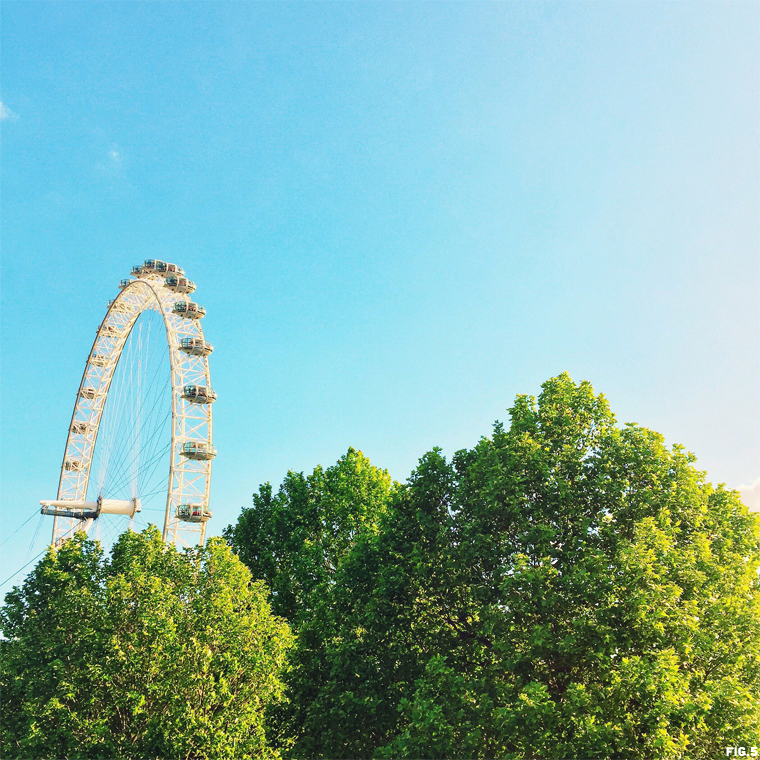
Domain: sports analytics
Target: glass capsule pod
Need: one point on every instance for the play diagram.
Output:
(189, 310)
(137, 271)
(154, 265)
(193, 513)
(179, 284)
(198, 394)
(79, 428)
(73, 465)
(163, 267)
(123, 284)
(195, 346)
(197, 450)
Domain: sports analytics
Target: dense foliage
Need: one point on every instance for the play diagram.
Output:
(151, 654)
(296, 539)
(568, 588)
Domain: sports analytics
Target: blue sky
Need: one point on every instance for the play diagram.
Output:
(399, 215)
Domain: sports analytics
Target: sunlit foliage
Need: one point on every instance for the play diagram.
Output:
(151, 653)
(567, 588)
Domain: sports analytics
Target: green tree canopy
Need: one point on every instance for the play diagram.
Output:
(153, 653)
(568, 588)
(295, 539)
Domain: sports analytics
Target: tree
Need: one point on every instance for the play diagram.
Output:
(368, 639)
(154, 653)
(567, 588)
(605, 597)
(295, 539)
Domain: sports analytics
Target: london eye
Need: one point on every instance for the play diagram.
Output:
(140, 436)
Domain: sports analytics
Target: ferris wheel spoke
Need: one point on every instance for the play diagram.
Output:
(147, 474)
(105, 433)
(126, 441)
(122, 474)
(148, 465)
(119, 467)
(156, 491)
(153, 425)
(116, 418)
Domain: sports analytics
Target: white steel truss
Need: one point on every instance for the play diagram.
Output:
(189, 477)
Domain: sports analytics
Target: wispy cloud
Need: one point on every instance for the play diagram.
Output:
(6, 113)
(109, 166)
(751, 495)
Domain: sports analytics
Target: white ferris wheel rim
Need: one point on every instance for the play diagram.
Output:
(192, 449)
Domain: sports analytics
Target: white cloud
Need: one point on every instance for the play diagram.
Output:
(6, 113)
(110, 165)
(751, 495)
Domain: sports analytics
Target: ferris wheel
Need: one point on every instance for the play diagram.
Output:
(141, 430)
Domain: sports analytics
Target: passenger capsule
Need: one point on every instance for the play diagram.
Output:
(198, 394)
(193, 512)
(189, 310)
(79, 428)
(154, 265)
(197, 450)
(195, 346)
(179, 284)
(137, 271)
(162, 267)
(123, 284)
(89, 393)
(73, 465)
